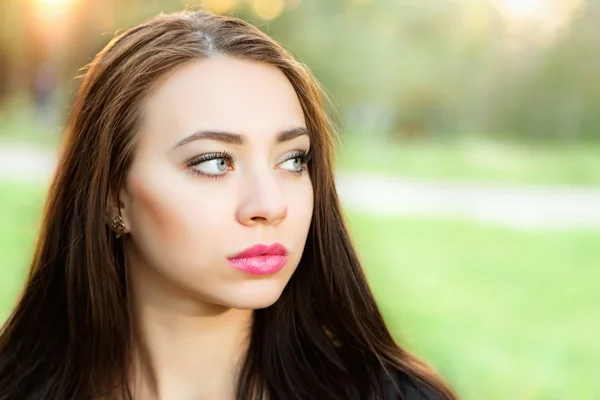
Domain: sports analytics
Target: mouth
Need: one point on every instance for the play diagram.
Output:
(260, 259)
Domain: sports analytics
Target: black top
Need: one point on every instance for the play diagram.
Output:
(410, 389)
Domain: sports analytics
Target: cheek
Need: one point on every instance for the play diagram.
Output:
(300, 208)
(172, 220)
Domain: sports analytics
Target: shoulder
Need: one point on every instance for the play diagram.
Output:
(400, 386)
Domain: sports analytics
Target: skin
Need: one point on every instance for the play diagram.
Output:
(192, 310)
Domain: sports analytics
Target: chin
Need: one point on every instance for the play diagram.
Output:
(255, 295)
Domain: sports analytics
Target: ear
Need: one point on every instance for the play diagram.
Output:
(119, 205)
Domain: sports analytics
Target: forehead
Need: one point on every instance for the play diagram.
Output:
(247, 97)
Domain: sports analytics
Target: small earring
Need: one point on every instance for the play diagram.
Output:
(118, 226)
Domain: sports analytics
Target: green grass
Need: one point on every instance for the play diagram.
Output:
(20, 208)
(476, 158)
(502, 314)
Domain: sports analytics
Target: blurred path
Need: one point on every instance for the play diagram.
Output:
(527, 207)
(22, 163)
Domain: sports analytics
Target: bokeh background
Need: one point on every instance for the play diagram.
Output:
(469, 164)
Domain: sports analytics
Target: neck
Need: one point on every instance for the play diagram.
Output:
(184, 348)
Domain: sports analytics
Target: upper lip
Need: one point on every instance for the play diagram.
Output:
(275, 249)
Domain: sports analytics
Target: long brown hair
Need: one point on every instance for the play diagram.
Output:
(69, 336)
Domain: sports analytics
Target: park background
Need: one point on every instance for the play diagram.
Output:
(468, 165)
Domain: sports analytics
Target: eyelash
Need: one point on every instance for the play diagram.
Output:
(304, 155)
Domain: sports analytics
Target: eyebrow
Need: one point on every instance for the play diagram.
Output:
(236, 138)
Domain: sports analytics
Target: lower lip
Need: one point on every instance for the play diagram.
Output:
(259, 265)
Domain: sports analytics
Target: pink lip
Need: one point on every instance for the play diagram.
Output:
(260, 259)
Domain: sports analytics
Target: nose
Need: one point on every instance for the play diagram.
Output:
(262, 200)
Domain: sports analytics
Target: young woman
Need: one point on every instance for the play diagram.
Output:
(192, 244)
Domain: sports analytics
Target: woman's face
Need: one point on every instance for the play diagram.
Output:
(219, 167)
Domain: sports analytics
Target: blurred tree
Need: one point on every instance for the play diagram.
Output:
(559, 96)
(14, 48)
(395, 69)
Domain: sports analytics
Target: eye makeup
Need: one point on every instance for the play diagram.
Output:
(216, 165)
